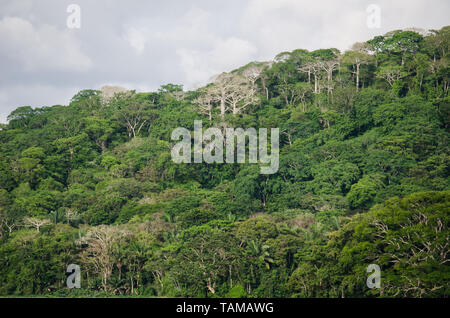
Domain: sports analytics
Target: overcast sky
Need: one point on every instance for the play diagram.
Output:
(143, 44)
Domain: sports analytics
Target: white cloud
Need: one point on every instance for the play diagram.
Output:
(201, 52)
(224, 55)
(204, 53)
(143, 44)
(192, 30)
(137, 39)
(286, 25)
(232, 52)
(42, 48)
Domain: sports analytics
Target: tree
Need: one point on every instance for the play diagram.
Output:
(222, 86)
(8, 217)
(7, 175)
(100, 252)
(317, 61)
(404, 43)
(133, 113)
(21, 117)
(391, 73)
(84, 95)
(311, 66)
(438, 43)
(362, 193)
(252, 72)
(173, 90)
(327, 60)
(100, 130)
(73, 150)
(242, 95)
(293, 93)
(356, 59)
(31, 166)
(206, 260)
(36, 222)
(205, 102)
(231, 92)
(329, 66)
(261, 252)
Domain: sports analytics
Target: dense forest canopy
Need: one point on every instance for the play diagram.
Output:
(363, 179)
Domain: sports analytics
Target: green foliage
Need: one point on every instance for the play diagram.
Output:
(363, 178)
(237, 292)
(363, 193)
(406, 237)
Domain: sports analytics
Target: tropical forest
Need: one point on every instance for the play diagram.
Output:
(363, 179)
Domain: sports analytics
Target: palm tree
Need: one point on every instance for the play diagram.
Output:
(261, 252)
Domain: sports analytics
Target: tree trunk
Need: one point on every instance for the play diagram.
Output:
(263, 82)
(330, 79)
(103, 145)
(235, 109)
(357, 76)
(222, 106)
(316, 85)
(132, 285)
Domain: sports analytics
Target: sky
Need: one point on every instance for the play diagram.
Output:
(142, 45)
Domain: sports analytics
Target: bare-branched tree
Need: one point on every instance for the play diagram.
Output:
(100, 251)
(36, 222)
(230, 92)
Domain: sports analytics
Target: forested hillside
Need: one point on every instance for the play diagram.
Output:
(363, 179)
